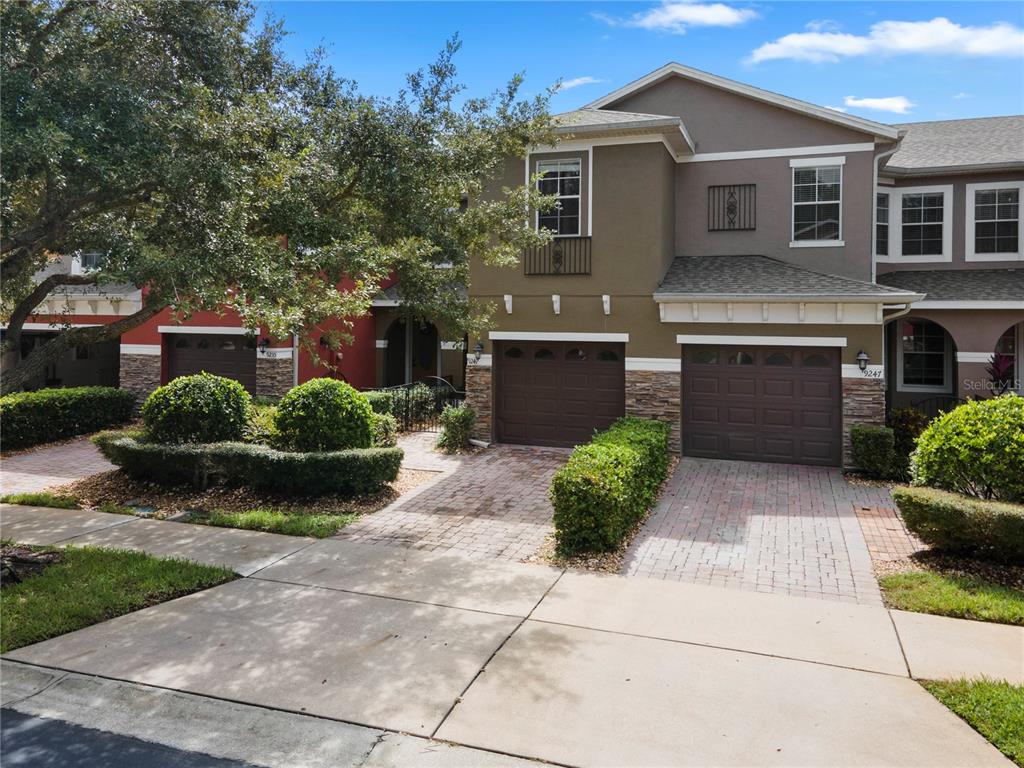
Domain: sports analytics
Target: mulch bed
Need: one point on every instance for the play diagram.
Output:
(18, 562)
(118, 488)
(602, 562)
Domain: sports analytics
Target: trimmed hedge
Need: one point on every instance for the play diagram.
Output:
(324, 415)
(354, 471)
(873, 450)
(976, 449)
(202, 408)
(31, 418)
(385, 430)
(381, 400)
(907, 424)
(608, 485)
(952, 523)
(456, 427)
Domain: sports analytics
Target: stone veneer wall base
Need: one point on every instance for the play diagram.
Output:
(863, 403)
(274, 377)
(478, 397)
(140, 374)
(656, 395)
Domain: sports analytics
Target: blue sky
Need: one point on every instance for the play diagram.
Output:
(889, 61)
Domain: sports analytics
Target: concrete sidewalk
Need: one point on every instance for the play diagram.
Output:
(569, 668)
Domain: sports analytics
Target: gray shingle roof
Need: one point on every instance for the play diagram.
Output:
(609, 119)
(960, 144)
(960, 284)
(756, 277)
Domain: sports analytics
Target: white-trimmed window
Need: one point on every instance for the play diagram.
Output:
(919, 223)
(817, 202)
(993, 221)
(924, 357)
(562, 179)
(1009, 352)
(882, 224)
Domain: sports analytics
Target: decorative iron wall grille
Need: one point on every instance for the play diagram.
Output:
(732, 207)
(562, 256)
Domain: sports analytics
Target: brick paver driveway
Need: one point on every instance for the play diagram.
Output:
(492, 504)
(55, 465)
(767, 527)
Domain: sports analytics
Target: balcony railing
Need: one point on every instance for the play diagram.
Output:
(562, 256)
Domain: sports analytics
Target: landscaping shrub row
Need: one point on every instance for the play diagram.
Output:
(31, 418)
(956, 524)
(358, 470)
(608, 485)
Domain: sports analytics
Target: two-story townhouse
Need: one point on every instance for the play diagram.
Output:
(713, 265)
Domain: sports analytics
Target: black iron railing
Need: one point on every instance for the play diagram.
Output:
(417, 407)
(562, 256)
(933, 406)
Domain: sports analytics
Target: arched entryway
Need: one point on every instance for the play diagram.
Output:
(1007, 365)
(922, 361)
(412, 352)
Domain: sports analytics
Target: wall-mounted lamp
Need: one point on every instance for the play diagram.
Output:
(478, 351)
(324, 343)
(508, 303)
(862, 360)
(606, 304)
(556, 303)
(264, 344)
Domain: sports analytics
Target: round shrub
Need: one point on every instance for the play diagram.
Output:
(385, 430)
(197, 409)
(976, 449)
(325, 415)
(457, 428)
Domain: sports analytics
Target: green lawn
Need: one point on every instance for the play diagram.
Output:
(41, 499)
(993, 709)
(318, 526)
(91, 585)
(963, 597)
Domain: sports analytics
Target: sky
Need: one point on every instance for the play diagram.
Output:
(887, 61)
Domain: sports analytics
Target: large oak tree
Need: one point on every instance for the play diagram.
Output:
(173, 137)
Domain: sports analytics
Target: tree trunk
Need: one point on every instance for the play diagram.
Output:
(23, 371)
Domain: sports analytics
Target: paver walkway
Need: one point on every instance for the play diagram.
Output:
(778, 528)
(55, 465)
(886, 534)
(575, 669)
(493, 504)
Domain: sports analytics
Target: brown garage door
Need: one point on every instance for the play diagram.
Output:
(557, 393)
(777, 404)
(231, 356)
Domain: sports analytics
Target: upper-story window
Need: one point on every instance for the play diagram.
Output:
(914, 224)
(562, 179)
(922, 219)
(817, 201)
(993, 221)
(882, 224)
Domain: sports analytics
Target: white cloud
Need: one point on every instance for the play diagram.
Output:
(889, 38)
(901, 105)
(576, 82)
(676, 16)
(962, 95)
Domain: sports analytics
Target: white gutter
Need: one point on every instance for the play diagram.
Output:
(874, 203)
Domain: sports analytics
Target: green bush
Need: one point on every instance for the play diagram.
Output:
(907, 425)
(385, 430)
(31, 418)
(456, 427)
(324, 415)
(952, 523)
(976, 449)
(608, 485)
(261, 425)
(381, 400)
(254, 466)
(197, 409)
(873, 450)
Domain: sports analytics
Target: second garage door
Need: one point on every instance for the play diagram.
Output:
(557, 393)
(780, 404)
(233, 357)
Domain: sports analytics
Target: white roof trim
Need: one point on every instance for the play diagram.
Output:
(555, 336)
(768, 341)
(759, 94)
(787, 298)
(969, 304)
(218, 330)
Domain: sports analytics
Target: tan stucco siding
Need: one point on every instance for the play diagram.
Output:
(959, 216)
(719, 121)
(773, 234)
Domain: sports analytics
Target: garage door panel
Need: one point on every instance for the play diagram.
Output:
(230, 356)
(569, 392)
(783, 405)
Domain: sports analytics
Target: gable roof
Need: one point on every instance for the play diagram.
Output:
(775, 99)
(757, 278)
(979, 143)
(606, 122)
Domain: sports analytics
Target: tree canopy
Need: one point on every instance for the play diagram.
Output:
(176, 139)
